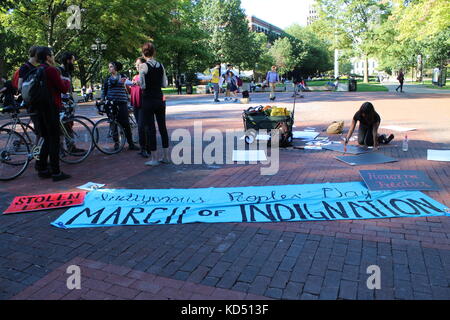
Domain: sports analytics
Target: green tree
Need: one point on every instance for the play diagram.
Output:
(230, 38)
(355, 24)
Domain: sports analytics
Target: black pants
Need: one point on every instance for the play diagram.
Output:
(151, 109)
(365, 136)
(48, 126)
(136, 112)
(122, 118)
(180, 89)
(400, 87)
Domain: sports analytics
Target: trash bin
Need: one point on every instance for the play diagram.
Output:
(352, 86)
(189, 88)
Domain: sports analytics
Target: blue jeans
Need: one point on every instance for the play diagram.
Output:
(216, 91)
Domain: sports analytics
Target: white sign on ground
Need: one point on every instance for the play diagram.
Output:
(438, 155)
(249, 155)
(398, 128)
(305, 135)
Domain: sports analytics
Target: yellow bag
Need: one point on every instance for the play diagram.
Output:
(337, 127)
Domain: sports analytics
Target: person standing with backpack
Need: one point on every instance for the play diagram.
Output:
(47, 105)
(152, 79)
(31, 64)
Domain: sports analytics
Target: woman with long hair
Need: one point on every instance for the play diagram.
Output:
(153, 78)
(114, 90)
(369, 122)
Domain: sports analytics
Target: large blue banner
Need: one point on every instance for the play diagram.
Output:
(330, 201)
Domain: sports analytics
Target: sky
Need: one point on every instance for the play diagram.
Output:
(281, 13)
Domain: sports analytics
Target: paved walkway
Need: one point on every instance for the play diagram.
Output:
(295, 260)
(414, 88)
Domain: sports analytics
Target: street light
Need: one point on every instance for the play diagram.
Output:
(98, 47)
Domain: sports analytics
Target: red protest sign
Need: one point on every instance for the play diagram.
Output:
(45, 202)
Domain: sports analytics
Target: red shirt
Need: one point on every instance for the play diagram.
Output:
(55, 84)
(135, 92)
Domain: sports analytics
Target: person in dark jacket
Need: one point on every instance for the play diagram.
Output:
(153, 78)
(48, 117)
(114, 90)
(401, 79)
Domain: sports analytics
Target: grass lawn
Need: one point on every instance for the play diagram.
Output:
(437, 87)
(369, 87)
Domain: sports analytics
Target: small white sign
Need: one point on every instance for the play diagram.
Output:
(398, 128)
(91, 186)
(249, 155)
(438, 155)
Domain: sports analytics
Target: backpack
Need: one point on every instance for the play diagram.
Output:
(336, 127)
(34, 87)
(239, 82)
(15, 79)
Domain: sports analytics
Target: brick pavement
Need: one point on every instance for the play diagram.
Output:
(291, 260)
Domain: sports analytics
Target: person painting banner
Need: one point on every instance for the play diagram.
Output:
(369, 122)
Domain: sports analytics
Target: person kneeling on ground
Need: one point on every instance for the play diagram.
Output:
(369, 122)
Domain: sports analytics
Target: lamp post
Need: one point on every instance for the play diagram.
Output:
(98, 47)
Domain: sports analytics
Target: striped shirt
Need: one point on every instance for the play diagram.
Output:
(114, 90)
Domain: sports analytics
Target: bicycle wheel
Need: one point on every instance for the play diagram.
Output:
(14, 154)
(109, 136)
(86, 120)
(26, 130)
(134, 128)
(76, 141)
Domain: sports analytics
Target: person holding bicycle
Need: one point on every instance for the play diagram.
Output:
(48, 117)
(67, 68)
(114, 90)
(152, 78)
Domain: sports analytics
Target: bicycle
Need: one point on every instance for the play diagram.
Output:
(108, 134)
(16, 152)
(74, 131)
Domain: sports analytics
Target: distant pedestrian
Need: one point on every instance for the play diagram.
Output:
(272, 79)
(179, 85)
(232, 87)
(401, 79)
(215, 81)
(8, 92)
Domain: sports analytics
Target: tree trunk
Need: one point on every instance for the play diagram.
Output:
(366, 69)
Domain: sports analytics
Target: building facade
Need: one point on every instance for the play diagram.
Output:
(312, 12)
(358, 66)
(258, 25)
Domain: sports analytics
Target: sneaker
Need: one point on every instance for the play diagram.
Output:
(132, 147)
(390, 138)
(144, 154)
(236, 100)
(46, 174)
(165, 161)
(217, 100)
(60, 176)
(152, 163)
